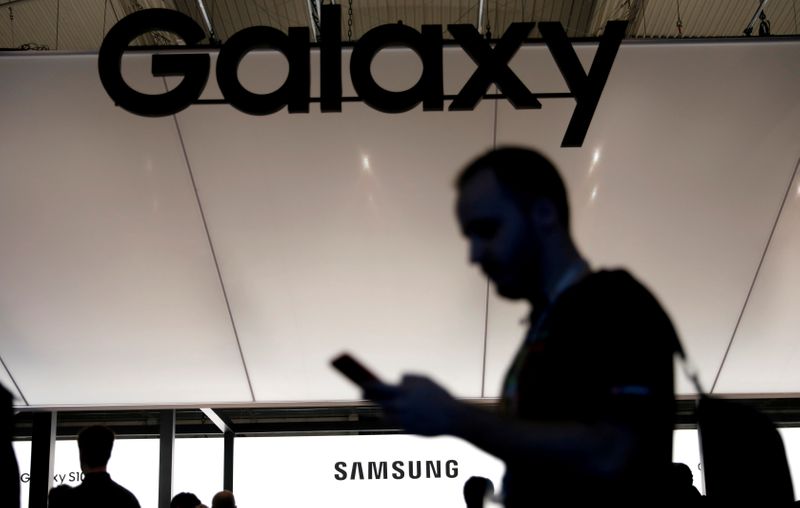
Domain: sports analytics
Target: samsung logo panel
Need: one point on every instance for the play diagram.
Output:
(295, 93)
(396, 470)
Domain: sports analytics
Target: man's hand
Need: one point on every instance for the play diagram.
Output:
(417, 404)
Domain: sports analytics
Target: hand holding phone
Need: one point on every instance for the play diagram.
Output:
(356, 372)
(374, 388)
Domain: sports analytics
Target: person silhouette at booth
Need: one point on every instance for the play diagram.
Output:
(476, 490)
(223, 499)
(588, 402)
(97, 490)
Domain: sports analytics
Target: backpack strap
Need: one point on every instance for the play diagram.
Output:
(689, 369)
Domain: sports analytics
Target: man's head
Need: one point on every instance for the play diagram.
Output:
(223, 499)
(94, 446)
(476, 489)
(512, 207)
(185, 500)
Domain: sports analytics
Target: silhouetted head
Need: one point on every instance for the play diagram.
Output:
(185, 500)
(476, 489)
(59, 496)
(682, 475)
(223, 499)
(94, 446)
(512, 206)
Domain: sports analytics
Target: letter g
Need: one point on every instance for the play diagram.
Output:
(194, 68)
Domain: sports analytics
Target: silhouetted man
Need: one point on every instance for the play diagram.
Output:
(683, 491)
(97, 490)
(588, 401)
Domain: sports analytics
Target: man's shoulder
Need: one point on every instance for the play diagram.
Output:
(614, 285)
(125, 494)
(109, 491)
(612, 277)
(614, 299)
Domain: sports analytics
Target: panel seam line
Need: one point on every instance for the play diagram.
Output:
(16, 385)
(486, 310)
(755, 276)
(213, 254)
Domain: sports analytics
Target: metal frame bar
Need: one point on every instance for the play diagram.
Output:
(166, 452)
(43, 447)
(227, 470)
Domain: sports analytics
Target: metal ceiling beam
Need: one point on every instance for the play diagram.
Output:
(481, 8)
(749, 29)
(222, 424)
(635, 17)
(314, 9)
(212, 35)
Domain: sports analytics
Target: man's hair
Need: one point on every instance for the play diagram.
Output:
(184, 500)
(525, 174)
(476, 489)
(94, 444)
(223, 499)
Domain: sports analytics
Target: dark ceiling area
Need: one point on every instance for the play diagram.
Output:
(80, 25)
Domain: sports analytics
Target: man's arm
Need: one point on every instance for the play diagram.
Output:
(422, 407)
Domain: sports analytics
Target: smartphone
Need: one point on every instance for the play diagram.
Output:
(356, 372)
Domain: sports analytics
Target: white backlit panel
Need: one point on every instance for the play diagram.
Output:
(766, 350)
(335, 471)
(108, 291)
(791, 444)
(336, 232)
(686, 450)
(133, 464)
(198, 465)
(680, 183)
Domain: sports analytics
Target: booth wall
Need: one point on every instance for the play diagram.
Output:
(216, 257)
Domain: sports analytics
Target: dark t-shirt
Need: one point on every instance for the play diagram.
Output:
(602, 352)
(98, 490)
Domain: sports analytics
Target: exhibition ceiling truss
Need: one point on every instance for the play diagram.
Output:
(80, 25)
(275, 421)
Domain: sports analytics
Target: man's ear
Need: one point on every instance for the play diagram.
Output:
(543, 213)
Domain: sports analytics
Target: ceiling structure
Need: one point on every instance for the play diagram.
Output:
(356, 419)
(80, 25)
